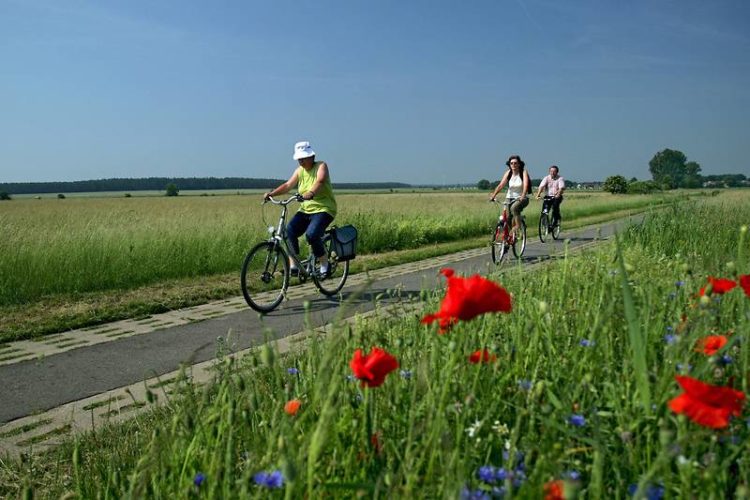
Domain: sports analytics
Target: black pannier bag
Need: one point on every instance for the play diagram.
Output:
(345, 242)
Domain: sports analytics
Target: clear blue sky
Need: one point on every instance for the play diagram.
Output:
(414, 91)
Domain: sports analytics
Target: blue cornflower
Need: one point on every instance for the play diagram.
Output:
(487, 474)
(501, 474)
(499, 491)
(652, 492)
(525, 384)
(519, 456)
(467, 494)
(406, 374)
(724, 360)
(292, 371)
(577, 420)
(519, 476)
(573, 475)
(670, 328)
(198, 479)
(270, 480)
(684, 367)
(680, 283)
(670, 339)
(586, 343)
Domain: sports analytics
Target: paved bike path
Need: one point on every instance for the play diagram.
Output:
(37, 385)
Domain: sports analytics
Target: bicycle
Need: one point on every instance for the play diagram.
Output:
(502, 237)
(546, 223)
(266, 266)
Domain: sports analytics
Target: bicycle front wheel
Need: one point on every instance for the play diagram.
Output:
(338, 270)
(519, 245)
(556, 230)
(265, 276)
(543, 227)
(499, 246)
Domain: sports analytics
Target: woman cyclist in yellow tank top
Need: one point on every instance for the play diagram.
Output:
(319, 208)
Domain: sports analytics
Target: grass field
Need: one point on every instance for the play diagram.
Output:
(81, 261)
(578, 393)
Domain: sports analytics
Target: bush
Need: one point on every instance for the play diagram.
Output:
(4, 196)
(172, 189)
(60, 196)
(616, 184)
(642, 187)
(128, 195)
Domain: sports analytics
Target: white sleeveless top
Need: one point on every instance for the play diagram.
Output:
(515, 187)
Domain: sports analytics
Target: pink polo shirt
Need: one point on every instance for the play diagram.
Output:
(554, 186)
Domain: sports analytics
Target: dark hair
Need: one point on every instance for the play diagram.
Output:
(521, 164)
(555, 167)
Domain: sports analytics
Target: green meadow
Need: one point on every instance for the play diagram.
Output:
(575, 393)
(72, 262)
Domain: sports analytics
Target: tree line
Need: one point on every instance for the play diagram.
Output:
(161, 183)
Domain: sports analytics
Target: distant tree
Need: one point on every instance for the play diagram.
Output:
(128, 195)
(616, 184)
(172, 189)
(642, 187)
(632, 180)
(670, 169)
(60, 196)
(4, 196)
(483, 185)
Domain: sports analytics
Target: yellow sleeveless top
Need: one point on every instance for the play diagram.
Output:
(324, 200)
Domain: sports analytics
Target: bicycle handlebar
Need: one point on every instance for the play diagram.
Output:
(295, 197)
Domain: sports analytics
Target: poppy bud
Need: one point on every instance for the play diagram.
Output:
(543, 307)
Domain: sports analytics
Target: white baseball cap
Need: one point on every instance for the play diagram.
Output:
(303, 150)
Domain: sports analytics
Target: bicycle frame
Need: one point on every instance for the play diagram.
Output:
(279, 237)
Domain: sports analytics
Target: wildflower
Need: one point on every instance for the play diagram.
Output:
(554, 490)
(525, 384)
(467, 494)
(711, 344)
(586, 343)
(705, 404)
(483, 356)
(406, 374)
(466, 298)
(500, 428)
(652, 492)
(372, 368)
(577, 420)
(199, 479)
(486, 473)
(292, 371)
(501, 475)
(573, 475)
(270, 480)
(474, 428)
(718, 285)
(724, 360)
(670, 339)
(292, 406)
(679, 283)
(684, 367)
(745, 283)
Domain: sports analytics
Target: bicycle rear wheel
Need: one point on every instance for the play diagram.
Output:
(543, 227)
(519, 244)
(265, 276)
(338, 270)
(499, 246)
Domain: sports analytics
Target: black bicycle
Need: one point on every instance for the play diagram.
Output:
(547, 225)
(266, 273)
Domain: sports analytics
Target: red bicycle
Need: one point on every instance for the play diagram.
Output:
(503, 237)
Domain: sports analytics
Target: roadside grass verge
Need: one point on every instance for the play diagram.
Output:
(562, 401)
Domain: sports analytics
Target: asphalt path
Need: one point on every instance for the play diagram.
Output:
(38, 385)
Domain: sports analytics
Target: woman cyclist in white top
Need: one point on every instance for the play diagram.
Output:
(519, 183)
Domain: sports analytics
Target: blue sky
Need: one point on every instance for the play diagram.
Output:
(413, 91)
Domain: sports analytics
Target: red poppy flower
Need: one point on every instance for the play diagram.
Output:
(705, 404)
(719, 285)
(292, 407)
(745, 283)
(482, 356)
(554, 490)
(372, 368)
(711, 345)
(466, 298)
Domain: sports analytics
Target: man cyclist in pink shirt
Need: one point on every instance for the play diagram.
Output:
(555, 186)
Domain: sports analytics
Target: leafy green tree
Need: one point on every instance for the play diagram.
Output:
(616, 184)
(172, 189)
(670, 169)
(4, 196)
(483, 185)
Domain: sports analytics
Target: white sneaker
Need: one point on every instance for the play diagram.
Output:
(324, 270)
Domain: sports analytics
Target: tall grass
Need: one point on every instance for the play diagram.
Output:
(86, 245)
(564, 400)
